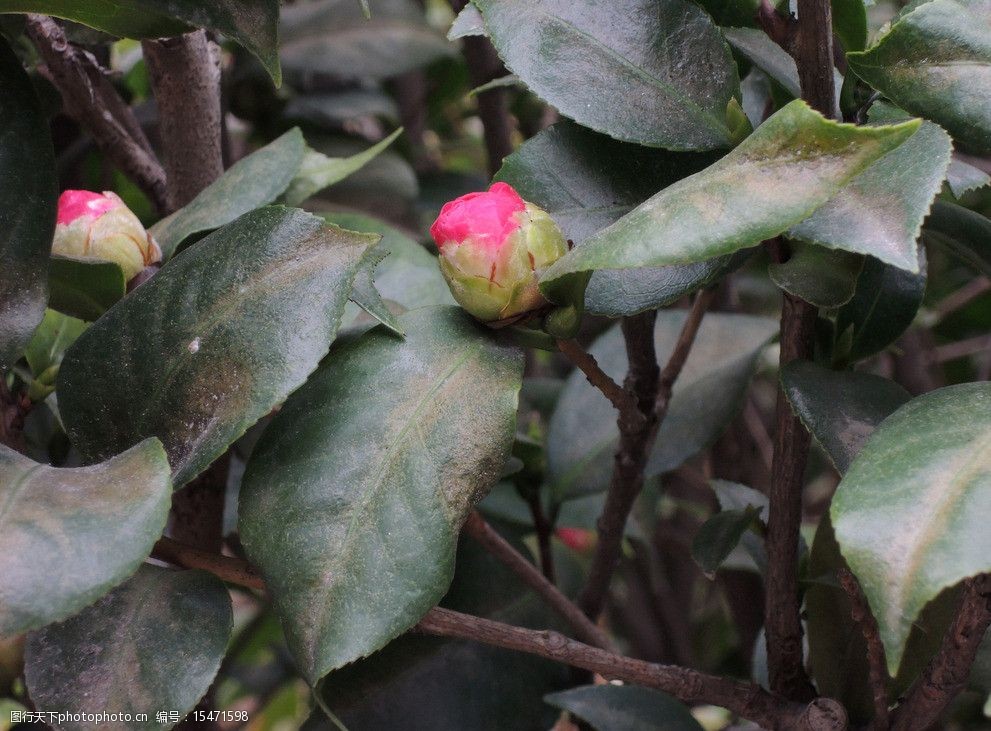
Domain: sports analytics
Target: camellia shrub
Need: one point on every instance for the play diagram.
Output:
(495, 365)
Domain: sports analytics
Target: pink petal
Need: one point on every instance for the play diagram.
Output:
(487, 218)
(75, 203)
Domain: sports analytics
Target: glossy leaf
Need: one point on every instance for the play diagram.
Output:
(783, 172)
(910, 512)
(582, 432)
(719, 535)
(253, 181)
(841, 409)
(966, 233)
(818, 275)
(367, 297)
(883, 306)
(154, 643)
(963, 178)
(576, 53)
(391, 442)
(333, 37)
(67, 536)
(27, 208)
(252, 23)
(317, 171)
(768, 56)
(935, 61)
(880, 212)
(213, 342)
(46, 349)
(84, 288)
(420, 683)
(625, 708)
(586, 181)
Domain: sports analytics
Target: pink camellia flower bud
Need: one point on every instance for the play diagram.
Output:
(94, 226)
(581, 540)
(493, 246)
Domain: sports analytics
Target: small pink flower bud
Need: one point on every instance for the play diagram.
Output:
(493, 246)
(94, 226)
(581, 540)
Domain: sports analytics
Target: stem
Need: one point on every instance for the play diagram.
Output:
(227, 568)
(185, 75)
(584, 628)
(544, 530)
(586, 363)
(947, 673)
(93, 102)
(877, 667)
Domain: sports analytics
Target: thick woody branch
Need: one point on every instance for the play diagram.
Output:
(93, 102)
(584, 628)
(877, 667)
(185, 76)
(947, 673)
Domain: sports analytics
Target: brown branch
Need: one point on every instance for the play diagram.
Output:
(93, 102)
(586, 363)
(227, 568)
(877, 667)
(651, 392)
(585, 629)
(947, 673)
(745, 699)
(544, 529)
(185, 76)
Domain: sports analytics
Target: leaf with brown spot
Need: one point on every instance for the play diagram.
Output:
(214, 341)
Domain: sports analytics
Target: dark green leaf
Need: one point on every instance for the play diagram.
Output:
(840, 408)
(818, 275)
(70, 535)
(252, 23)
(965, 233)
(84, 288)
(586, 181)
(582, 433)
(333, 37)
(253, 181)
(883, 306)
(317, 171)
(49, 342)
(153, 644)
(213, 342)
(367, 297)
(850, 24)
(625, 708)
(783, 172)
(768, 56)
(27, 208)
(880, 212)
(935, 61)
(392, 441)
(719, 535)
(662, 64)
(910, 513)
(734, 13)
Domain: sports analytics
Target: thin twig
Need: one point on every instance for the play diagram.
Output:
(93, 102)
(227, 568)
(544, 530)
(961, 297)
(877, 668)
(962, 349)
(947, 673)
(682, 348)
(586, 363)
(585, 629)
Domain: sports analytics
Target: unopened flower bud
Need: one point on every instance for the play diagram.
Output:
(493, 246)
(94, 226)
(581, 540)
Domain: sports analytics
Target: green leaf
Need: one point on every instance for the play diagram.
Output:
(251, 182)
(963, 232)
(785, 170)
(333, 37)
(84, 288)
(719, 535)
(884, 305)
(575, 54)
(333, 109)
(367, 297)
(582, 434)
(841, 409)
(625, 708)
(818, 275)
(469, 22)
(252, 23)
(963, 178)
(49, 342)
(153, 644)
(27, 199)
(768, 56)
(586, 181)
(220, 336)
(70, 535)
(935, 62)
(850, 23)
(392, 441)
(732, 12)
(317, 171)
(420, 683)
(880, 212)
(910, 513)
